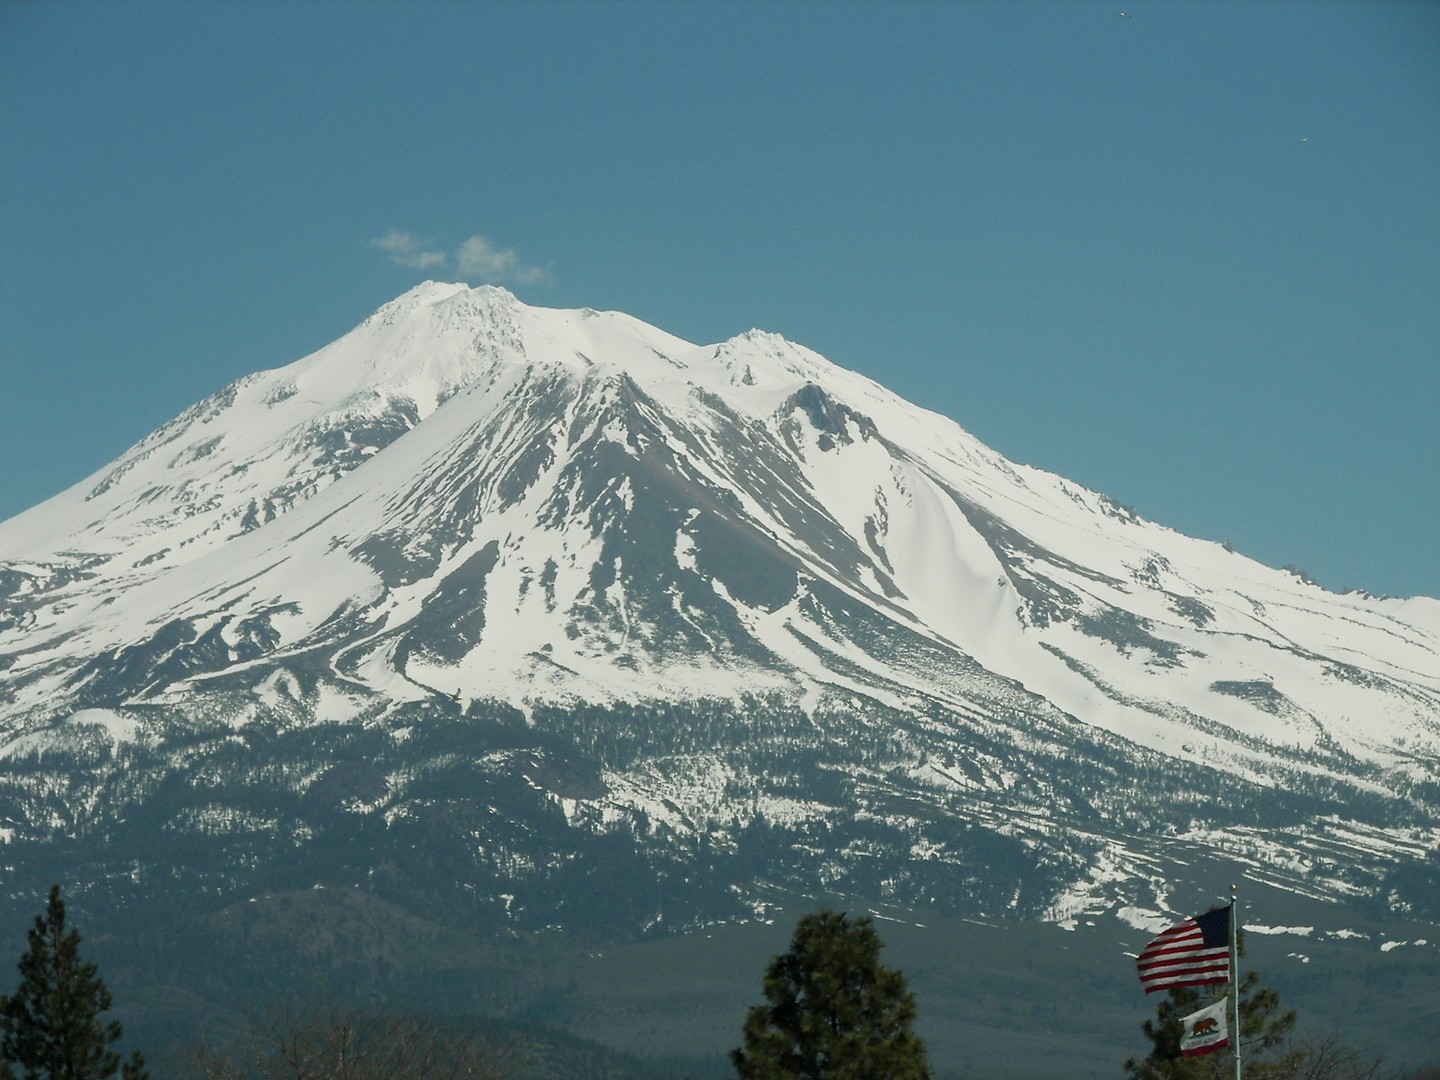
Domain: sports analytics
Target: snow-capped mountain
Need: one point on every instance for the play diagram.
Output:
(466, 494)
(680, 566)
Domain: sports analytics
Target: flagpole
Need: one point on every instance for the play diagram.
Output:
(1235, 976)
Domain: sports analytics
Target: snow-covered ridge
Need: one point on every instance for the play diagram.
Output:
(469, 495)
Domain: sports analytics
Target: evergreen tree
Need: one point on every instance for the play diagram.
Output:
(832, 1011)
(1272, 1051)
(50, 1026)
(1265, 1030)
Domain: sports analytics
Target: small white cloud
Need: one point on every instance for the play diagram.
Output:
(479, 259)
(407, 249)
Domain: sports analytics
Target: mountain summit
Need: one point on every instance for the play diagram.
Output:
(469, 495)
(468, 503)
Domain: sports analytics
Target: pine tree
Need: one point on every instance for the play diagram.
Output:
(50, 1026)
(1264, 1033)
(832, 1011)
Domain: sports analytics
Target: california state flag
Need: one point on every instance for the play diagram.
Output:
(1205, 1030)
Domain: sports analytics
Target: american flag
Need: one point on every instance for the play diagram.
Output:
(1193, 953)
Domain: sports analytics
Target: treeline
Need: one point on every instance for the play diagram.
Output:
(462, 807)
(830, 1010)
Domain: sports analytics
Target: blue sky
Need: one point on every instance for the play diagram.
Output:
(1188, 256)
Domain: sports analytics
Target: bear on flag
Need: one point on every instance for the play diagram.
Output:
(1205, 1030)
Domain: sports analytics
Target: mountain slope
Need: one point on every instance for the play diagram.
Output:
(726, 606)
(460, 447)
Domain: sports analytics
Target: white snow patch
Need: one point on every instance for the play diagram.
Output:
(119, 726)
